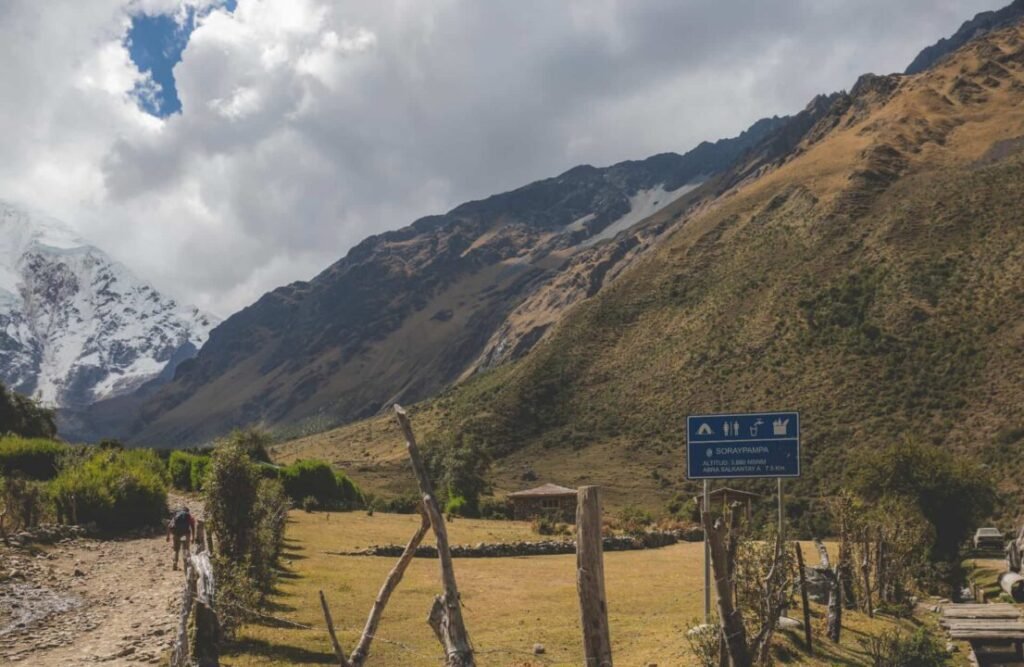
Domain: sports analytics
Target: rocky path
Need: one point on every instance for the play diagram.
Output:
(86, 602)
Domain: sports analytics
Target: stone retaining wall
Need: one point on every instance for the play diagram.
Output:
(652, 540)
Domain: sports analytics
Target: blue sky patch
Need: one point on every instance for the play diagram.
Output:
(155, 44)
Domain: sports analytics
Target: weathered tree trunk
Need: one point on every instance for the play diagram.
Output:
(835, 595)
(452, 629)
(803, 598)
(597, 647)
(732, 621)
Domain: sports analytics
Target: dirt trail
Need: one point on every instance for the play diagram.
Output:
(86, 601)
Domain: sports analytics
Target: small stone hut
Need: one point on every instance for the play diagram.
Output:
(547, 499)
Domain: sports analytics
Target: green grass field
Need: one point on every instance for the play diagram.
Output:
(510, 603)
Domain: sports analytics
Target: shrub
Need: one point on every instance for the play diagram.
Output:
(22, 504)
(495, 508)
(36, 457)
(893, 649)
(407, 504)
(456, 506)
(317, 479)
(634, 520)
(197, 474)
(248, 513)
(117, 490)
(253, 441)
(179, 467)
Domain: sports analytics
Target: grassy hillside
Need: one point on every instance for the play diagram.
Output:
(875, 282)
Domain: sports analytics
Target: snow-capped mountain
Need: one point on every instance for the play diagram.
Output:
(76, 326)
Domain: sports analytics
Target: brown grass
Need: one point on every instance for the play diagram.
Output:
(510, 603)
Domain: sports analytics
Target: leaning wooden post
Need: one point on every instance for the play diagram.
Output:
(803, 597)
(597, 645)
(451, 628)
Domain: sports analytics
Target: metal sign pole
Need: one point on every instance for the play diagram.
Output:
(781, 533)
(706, 507)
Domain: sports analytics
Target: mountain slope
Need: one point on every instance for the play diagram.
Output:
(76, 326)
(406, 313)
(873, 279)
(981, 24)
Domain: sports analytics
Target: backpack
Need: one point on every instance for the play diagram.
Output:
(180, 523)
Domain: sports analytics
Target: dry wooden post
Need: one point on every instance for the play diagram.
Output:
(452, 629)
(732, 621)
(338, 652)
(200, 544)
(362, 649)
(803, 597)
(865, 568)
(597, 645)
(196, 645)
(835, 594)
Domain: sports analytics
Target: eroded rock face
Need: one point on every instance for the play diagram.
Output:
(981, 24)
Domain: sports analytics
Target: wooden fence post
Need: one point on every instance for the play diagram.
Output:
(590, 579)
(803, 597)
(196, 646)
(450, 627)
(200, 536)
(733, 629)
(597, 647)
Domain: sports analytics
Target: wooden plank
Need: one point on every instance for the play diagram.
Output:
(987, 634)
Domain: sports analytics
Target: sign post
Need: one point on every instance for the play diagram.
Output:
(744, 445)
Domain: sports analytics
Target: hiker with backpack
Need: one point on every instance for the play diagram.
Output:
(182, 527)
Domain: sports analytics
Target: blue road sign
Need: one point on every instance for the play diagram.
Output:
(759, 444)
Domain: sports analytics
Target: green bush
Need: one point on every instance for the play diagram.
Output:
(318, 480)
(116, 490)
(407, 504)
(22, 504)
(248, 514)
(495, 508)
(456, 506)
(197, 474)
(187, 470)
(179, 467)
(894, 649)
(36, 457)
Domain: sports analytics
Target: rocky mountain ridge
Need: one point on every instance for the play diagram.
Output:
(77, 326)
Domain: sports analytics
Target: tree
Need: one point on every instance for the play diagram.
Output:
(953, 495)
(458, 464)
(24, 416)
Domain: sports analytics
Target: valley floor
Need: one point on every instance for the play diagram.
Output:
(511, 604)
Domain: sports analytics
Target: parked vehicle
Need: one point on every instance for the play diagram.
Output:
(988, 539)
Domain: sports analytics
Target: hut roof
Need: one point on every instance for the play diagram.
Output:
(544, 490)
(731, 493)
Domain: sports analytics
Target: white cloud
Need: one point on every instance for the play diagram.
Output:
(309, 124)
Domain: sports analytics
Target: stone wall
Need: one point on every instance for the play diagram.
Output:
(652, 540)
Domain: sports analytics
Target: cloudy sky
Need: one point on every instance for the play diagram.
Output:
(223, 149)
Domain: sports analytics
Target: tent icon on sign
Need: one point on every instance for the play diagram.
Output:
(780, 426)
(705, 429)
